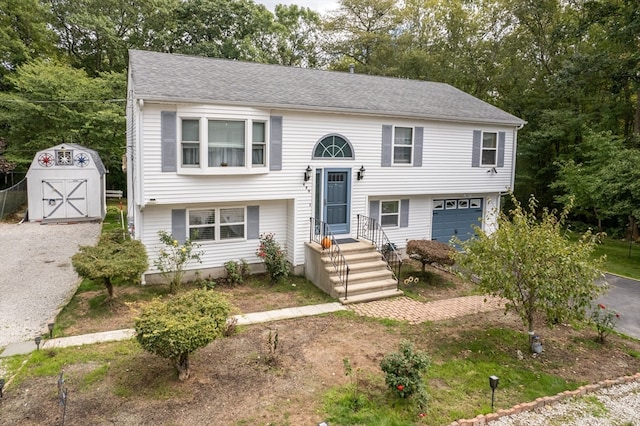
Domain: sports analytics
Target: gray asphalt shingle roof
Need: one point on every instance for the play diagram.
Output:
(170, 77)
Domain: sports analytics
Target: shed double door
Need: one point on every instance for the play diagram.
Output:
(64, 198)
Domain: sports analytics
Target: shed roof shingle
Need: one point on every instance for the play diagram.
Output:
(172, 77)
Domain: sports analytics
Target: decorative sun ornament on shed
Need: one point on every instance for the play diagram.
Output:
(81, 160)
(45, 160)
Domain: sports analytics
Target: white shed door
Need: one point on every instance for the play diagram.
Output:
(64, 198)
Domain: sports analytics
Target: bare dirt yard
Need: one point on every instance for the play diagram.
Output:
(238, 381)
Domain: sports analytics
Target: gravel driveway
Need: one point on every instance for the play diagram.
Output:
(36, 276)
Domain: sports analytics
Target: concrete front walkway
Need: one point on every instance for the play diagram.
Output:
(400, 308)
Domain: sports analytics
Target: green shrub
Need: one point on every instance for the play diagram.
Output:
(236, 271)
(403, 372)
(176, 328)
(605, 321)
(274, 257)
(173, 258)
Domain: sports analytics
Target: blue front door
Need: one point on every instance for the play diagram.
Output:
(336, 205)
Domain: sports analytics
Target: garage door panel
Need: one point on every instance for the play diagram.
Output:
(454, 221)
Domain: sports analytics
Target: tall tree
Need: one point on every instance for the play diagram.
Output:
(223, 29)
(296, 36)
(361, 32)
(96, 34)
(24, 34)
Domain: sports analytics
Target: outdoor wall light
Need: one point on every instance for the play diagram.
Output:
(493, 382)
(493, 171)
(50, 326)
(307, 174)
(38, 339)
(1, 386)
(361, 173)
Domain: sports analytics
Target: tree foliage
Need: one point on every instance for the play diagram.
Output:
(429, 251)
(530, 262)
(176, 328)
(52, 103)
(114, 260)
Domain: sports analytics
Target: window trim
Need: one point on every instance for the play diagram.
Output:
(203, 168)
(410, 146)
(217, 236)
(397, 214)
(333, 135)
(494, 149)
(181, 142)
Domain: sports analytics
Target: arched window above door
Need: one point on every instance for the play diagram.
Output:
(333, 146)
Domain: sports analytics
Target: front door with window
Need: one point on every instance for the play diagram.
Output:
(337, 200)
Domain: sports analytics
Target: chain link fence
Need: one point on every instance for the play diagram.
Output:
(12, 198)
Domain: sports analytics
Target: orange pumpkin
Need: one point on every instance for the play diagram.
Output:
(326, 243)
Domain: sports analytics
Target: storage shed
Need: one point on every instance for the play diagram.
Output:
(65, 182)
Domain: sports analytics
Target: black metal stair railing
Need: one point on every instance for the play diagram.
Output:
(318, 231)
(370, 229)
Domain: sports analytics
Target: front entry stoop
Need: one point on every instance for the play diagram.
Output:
(369, 277)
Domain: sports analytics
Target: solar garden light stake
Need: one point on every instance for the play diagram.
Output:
(38, 339)
(50, 326)
(493, 382)
(1, 387)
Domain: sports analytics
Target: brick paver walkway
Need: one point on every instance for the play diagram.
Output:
(414, 312)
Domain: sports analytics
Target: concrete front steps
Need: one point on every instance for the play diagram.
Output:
(369, 277)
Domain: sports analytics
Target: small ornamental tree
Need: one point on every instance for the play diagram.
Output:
(176, 328)
(114, 260)
(273, 256)
(428, 251)
(173, 258)
(530, 262)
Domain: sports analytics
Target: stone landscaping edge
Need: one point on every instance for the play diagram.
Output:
(484, 419)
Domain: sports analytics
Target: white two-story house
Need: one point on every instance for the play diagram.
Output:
(222, 151)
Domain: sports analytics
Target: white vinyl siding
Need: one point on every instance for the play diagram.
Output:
(446, 173)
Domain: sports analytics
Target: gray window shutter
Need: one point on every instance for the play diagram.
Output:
(501, 138)
(477, 148)
(168, 134)
(404, 213)
(275, 144)
(387, 135)
(418, 136)
(179, 225)
(253, 222)
(374, 210)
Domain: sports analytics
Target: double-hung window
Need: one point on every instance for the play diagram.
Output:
(226, 143)
(217, 224)
(390, 214)
(202, 224)
(489, 148)
(258, 146)
(190, 142)
(402, 145)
